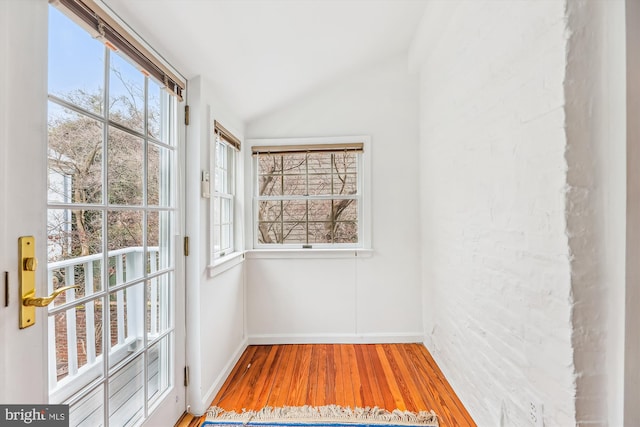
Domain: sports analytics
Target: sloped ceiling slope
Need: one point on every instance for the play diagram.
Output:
(261, 54)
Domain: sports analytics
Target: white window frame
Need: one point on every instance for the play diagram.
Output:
(363, 196)
(221, 195)
(219, 261)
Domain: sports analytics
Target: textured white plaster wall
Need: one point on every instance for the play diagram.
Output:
(596, 217)
(495, 255)
(377, 296)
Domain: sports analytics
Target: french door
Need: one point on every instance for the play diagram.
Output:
(112, 162)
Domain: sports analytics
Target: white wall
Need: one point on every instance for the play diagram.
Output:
(495, 256)
(374, 298)
(215, 304)
(596, 211)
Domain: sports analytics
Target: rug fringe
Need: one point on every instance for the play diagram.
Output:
(333, 413)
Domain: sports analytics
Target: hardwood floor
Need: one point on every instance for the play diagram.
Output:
(389, 376)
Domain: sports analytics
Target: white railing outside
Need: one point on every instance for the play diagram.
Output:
(125, 265)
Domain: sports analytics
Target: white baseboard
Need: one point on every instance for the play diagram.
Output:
(219, 382)
(397, 338)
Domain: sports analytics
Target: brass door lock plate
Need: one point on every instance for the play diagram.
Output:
(27, 279)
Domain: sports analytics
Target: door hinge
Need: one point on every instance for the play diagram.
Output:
(186, 376)
(186, 115)
(186, 245)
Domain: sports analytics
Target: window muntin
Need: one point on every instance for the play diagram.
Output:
(311, 198)
(223, 198)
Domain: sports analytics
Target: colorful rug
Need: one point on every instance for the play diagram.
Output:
(322, 416)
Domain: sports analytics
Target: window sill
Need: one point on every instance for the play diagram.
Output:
(308, 253)
(225, 263)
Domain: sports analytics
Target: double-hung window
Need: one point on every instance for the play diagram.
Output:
(225, 147)
(308, 195)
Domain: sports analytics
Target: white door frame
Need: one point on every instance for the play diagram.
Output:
(23, 137)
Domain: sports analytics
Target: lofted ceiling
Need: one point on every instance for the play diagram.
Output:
(261, 54)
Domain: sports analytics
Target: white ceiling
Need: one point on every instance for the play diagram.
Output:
(261, 54)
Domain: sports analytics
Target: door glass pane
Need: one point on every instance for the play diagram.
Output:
(158, 369)
(74, 157)
(88, 334)
(78, 344)
(61, 346)
(125, 243)
(74, 252)
(156, 108)
(159, 235)
(159, 163)
(73, 233)
(126, 322)
(88, 411)
(126, 94)
(79, 82)
(125, 163)
(158, 308)
(126, 394)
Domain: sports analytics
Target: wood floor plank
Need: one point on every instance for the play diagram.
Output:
(348, 398)
(313, 376)
(356, 383)
(301, 376)
(249, 381)
(280, 389)
(449, 403)
(321, 392)
(366, 391)
(402, 380)
(402, 376)
(376, 379)
(235, 378)
(337, 375)
(330, 374)
(412, 385)
(255, 378)
(391, 378)
(267, 376)
(430, 396)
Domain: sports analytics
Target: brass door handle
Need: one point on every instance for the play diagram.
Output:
(27, 266)
(45, 301)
